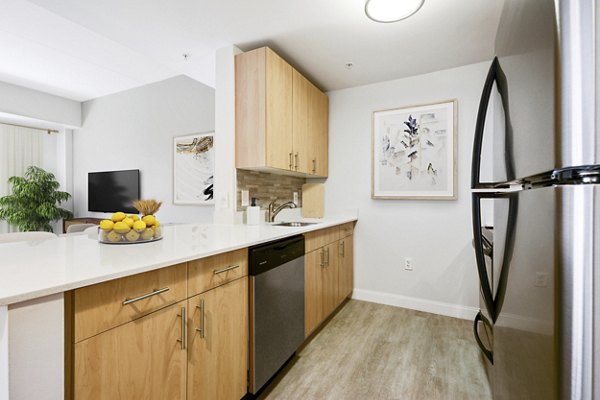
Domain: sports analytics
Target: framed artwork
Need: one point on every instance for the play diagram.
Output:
(414, 152)
(193, 169)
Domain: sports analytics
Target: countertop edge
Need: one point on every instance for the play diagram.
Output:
(285, 232)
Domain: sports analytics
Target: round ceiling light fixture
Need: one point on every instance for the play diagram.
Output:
(391, 10)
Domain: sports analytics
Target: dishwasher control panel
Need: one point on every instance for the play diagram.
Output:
(270, 255)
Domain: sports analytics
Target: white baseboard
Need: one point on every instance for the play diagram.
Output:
(414, 303)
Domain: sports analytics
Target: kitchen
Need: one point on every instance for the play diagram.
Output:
(436, 235)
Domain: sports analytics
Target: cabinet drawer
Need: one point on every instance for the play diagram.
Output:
(346, 229)
(100, 307)
(207, 273)
(320, 238)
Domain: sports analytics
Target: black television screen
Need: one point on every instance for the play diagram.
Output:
(113, 191)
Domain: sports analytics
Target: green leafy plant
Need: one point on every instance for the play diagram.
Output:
(34, 202)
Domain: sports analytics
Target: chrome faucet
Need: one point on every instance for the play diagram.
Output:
(273, 211)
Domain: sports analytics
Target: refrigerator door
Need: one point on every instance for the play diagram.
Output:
(525, 329)
(521, 91)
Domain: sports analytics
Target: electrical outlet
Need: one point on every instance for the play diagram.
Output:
(245, 198)
(541, 279)
(408, 264)
(296, 198)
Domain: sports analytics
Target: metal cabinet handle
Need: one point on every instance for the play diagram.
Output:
(487, 353)
(183, 338)
(201, 329)
(327, 260)
(314, 170)
(220, 271)
(296, 160)
(343, 248)
(145, 296)
(291, 163)
(322, 254)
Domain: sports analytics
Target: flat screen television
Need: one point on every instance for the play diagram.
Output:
(113, 191)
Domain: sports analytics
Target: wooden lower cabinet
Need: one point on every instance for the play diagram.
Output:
(320, 286)
(345, 268)
(328, 280)
(142, 359)
(313, 312)
(218, 343)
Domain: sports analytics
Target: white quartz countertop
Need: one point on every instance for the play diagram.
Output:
(31, 270)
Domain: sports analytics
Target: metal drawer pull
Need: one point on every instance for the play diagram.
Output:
(182, 340)
(296, 159)
(343, 248)
(220, 271)
(291, 163)
(145, 296)
(201, 329)
(314, 165)
(322, 254)
(327, 252)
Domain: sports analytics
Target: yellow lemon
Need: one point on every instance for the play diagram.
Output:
(118, 216)
(121, 227)
(132, 236)
(106, 224)
(128, 221)
(134, 217)
(139, 226)
(113, 236)
(156, 223)
(149, 220)
(157, 232)
(148, 234)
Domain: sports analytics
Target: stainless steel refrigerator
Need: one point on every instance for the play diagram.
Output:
(536, 203)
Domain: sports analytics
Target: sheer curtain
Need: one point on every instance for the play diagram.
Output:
(19, 148)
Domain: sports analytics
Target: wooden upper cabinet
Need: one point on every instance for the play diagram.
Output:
(275, 107)
(278, 112)
(300, 123)
(318, 128)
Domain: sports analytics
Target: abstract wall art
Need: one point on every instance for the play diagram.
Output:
(414, 152)
(193, 169)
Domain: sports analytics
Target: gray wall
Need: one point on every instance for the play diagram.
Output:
(435, 234)
(134, 130)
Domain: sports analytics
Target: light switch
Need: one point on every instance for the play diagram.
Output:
(245, 198)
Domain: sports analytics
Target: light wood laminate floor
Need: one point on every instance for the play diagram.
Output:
(373, 351)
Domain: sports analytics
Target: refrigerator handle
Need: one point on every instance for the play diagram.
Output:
(487, 353)
(484, 279)
(480, 123)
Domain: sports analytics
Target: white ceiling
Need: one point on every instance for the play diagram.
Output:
(83, 49)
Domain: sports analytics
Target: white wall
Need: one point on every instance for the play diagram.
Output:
(435, 234)
(24, 102)
(134, 130)
(36, 340)
(225, 173)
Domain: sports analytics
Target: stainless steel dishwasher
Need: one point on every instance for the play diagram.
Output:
(276, 306)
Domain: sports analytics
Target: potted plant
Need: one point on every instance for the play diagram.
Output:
(34, 201)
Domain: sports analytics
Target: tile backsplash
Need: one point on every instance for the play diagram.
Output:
(268, 187)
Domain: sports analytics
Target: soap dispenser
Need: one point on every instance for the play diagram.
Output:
(253, 213)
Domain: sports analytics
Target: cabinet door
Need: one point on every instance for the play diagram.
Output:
(329, 277)
(218, 343)
(279, 144)
(313, 290)
(300, 122)
(318, 131)
(346, 273)
(142, 359)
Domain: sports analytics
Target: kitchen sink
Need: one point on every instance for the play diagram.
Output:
(294, 224)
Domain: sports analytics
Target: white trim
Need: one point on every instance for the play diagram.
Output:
(3, 353)
(414, 303)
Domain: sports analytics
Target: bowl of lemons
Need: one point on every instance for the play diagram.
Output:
(129, 229)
